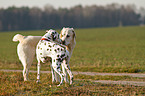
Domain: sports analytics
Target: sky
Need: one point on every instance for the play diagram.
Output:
(67, 3)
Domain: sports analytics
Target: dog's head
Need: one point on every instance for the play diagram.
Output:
(67, 36)
(52, 35)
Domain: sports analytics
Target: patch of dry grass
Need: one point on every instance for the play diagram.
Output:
(12, 84)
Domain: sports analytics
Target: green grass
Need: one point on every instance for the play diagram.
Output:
(11, 83)
(120, 49)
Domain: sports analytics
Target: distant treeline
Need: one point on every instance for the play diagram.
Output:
(25, 18)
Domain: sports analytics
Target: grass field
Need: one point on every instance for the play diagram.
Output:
(120, 49)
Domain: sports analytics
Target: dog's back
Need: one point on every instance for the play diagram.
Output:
(31, 40)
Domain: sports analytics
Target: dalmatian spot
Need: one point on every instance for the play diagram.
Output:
(60, 59)
(61, 49)
(44, 58)
(62, 56)
(58, 67)
(47, 49)
(57, 55)
(59, 64)
(40, 53)
(64, 50)
(58, 35)
(54, 60)
(49, 46)
(54, 45)
(57, 48)
(40, 48)
(68, 67)
(45, 43)
(50, 50)
(49, 38)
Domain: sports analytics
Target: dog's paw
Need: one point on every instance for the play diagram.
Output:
(38, 81)
(58, 85)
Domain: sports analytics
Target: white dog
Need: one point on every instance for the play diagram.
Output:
(28, 43)
(26, 51)
(68, 38)
(58, 53)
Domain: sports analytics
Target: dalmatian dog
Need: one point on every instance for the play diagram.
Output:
(48, 47)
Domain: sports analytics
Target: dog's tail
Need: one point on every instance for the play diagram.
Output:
(18, 37)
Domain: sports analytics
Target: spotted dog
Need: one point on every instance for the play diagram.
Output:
(48, 47)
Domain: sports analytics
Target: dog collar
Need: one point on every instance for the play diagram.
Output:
(45, 39)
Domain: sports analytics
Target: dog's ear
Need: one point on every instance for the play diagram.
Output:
(46, 31)
(61, 32)
(60, 36)
(74, 34)
(53, 37)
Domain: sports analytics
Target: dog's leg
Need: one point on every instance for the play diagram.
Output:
(27, 72)
(56, 68)
(27, 68)
(24, 70)
(38, 71)
(64, 72)
(61, 76)
(24, 73)
(53, 75)
(57, 78)
(66, 65)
